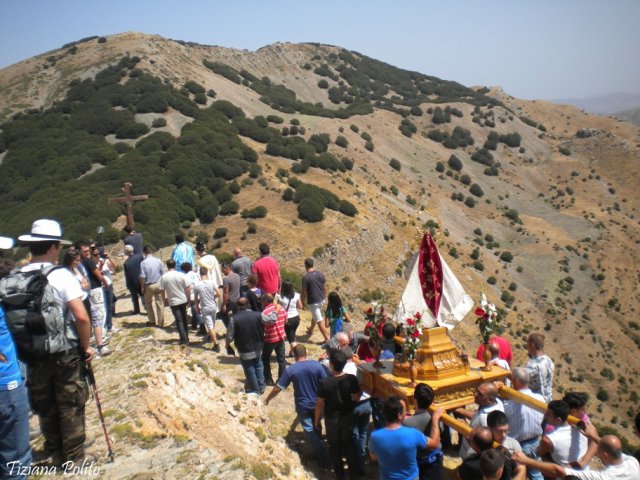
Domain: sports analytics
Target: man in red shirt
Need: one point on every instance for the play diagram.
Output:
(268, 271)
(505, 349)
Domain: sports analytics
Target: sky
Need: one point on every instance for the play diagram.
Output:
(544, 49)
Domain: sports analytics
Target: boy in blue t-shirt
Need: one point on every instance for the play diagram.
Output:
(395, 446)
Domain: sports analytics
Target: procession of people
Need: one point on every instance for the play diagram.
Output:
(260, 315)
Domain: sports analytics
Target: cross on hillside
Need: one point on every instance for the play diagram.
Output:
(128, 200)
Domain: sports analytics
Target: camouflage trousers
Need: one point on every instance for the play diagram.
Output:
(58, 393)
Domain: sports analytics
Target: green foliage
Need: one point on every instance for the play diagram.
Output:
(491, 280)
(416, 111)
(229, 208)
(565, 151)
(194, 87)
(394, 190)
(476, 190)
(347, 208)
(507, 298)
(455, 163)
(470, 202)
(287, 195)
(512, 215)
(369, 146)
(342, 141)
(220, 233)
(483, 156)
(439, 116)
(506, 257)
(354, 128)
(395, 164)
(252, 228)
(407, 127)
(159, 122)
(256, 212)
(440, 167)
(224, 70)
(322, 83)
(478, 265)
(275, 119)
(310, 211)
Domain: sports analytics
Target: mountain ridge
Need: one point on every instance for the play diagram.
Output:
(571, 183)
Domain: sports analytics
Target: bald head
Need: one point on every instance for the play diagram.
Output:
(237, 253)
(494, 348)
(610, 449)
(486, 394)
(481, 439)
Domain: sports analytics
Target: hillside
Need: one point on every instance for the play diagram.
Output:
(538, 208)
(631, 116)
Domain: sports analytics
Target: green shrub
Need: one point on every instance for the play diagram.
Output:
(440, 167)
(132, 130)
(229, 208)
(478, 265)
(275, 119)
(220, 233)
(252, 228)
(354, 128)
(310, 210)
(322, 83)
(512, 215)
(507, 298)
(194, 87)
(470, 202)
(513, 286)
(395, 164)
(348, 208)
(256, 212)
(365, 136)
(369, 146)
(491, 280)
(506, 257)
(476, 190)
(416, 111)
(394, 190)
(342, 141)
(455, 163)
(159, 122)
(465, 179)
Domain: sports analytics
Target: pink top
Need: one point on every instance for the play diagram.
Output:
(274, 332)
(268, 272)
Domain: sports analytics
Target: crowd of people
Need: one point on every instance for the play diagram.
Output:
(261, 316)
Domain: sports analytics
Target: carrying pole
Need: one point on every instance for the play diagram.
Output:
(92, 382)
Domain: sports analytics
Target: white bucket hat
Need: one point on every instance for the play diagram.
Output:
(44, 230)
(6, 243)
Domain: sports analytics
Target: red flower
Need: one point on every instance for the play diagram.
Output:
(415, 334)
(418, 315)
(370, 311)
(382, 309)
(480, 312)
(411, 322)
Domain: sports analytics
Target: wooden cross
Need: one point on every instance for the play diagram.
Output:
(128, 200)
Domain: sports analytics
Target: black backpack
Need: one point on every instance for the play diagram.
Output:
(36, 323)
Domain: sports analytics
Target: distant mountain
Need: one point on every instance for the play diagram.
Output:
(632, 115)
(604, 104)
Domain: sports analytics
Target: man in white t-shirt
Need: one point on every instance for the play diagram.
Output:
(176, 294)
(206, 293)
(618, 466)
(57, 386)
(486, 397)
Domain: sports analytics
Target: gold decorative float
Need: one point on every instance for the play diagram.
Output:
(452, 375)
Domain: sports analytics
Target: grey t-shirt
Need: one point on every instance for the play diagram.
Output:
(232, 282)
(242, 266)
(313, 282)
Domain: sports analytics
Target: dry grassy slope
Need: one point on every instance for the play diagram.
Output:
(593, 231)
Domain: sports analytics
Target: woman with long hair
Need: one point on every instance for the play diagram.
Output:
(290, 300)
(336, 314)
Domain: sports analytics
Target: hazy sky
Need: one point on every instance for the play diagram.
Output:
(533, 49)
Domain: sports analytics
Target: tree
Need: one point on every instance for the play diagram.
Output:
(348, 208)
(342, 141)
(229, 208)
(395, 164)
(455, 163)
(322, 83)
(506, 257)
(310, 210)
(476, 190)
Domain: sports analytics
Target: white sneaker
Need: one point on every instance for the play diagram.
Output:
(103, 351)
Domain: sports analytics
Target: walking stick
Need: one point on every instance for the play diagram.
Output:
(92, 382)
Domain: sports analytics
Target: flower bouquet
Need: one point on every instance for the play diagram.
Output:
(487, 321)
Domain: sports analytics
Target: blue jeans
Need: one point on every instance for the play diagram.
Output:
(108, 307)
(14, 432)
(314, 437)
(254, 373)
(362, 414)
(529, 448)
